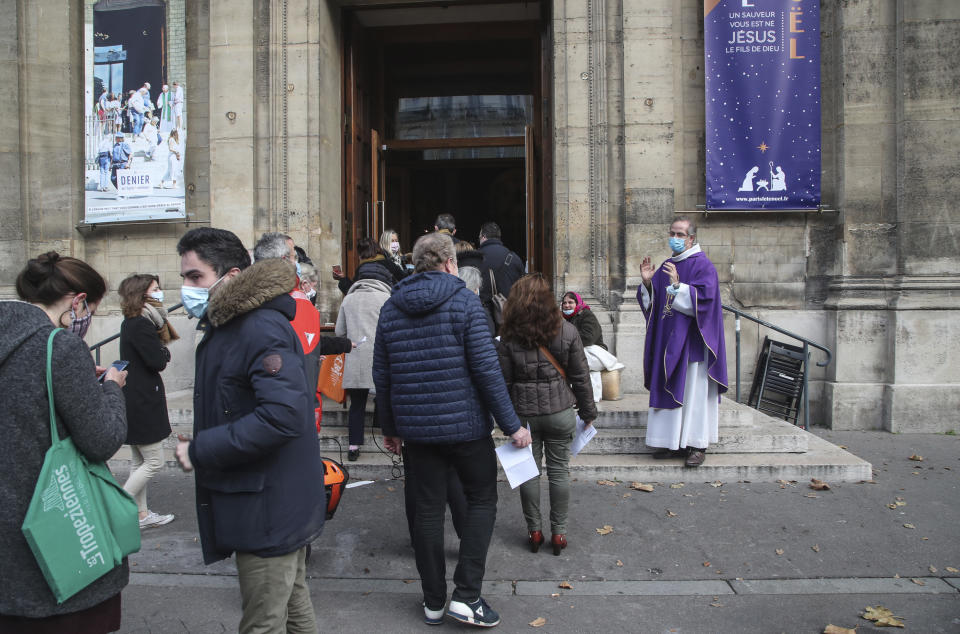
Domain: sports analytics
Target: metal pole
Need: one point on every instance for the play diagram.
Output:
(806, 386)
(97, 355)
(737, 322)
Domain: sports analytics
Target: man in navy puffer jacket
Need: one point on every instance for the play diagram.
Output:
(436, 372)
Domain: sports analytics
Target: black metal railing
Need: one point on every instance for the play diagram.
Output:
(807, 344)
(95, 348)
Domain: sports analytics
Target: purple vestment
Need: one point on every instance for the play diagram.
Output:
(675, 340)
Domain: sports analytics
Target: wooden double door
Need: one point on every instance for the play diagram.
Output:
(446, 119)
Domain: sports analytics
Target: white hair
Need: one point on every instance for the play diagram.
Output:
(471, 277)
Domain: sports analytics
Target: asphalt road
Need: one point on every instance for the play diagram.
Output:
(705, 557)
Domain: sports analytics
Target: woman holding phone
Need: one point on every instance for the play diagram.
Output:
(144, 335)
(55, 292)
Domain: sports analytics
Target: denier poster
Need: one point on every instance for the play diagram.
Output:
(135, 124)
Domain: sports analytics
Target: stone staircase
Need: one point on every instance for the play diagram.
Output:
(752, 446)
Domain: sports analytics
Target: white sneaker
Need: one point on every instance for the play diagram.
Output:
(152, 519)
(432, 617)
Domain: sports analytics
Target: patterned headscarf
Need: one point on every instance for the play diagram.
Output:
(580, 304)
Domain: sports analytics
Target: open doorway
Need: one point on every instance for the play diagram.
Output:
(448, 118)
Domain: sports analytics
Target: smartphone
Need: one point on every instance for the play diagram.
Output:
(337, 270)
(119, 365)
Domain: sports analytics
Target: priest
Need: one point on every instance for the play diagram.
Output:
(684, 359)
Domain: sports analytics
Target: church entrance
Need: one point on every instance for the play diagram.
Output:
(444, 113)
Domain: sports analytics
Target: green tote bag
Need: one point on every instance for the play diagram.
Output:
(80, 523)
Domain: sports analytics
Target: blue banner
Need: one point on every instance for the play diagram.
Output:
(762, 88)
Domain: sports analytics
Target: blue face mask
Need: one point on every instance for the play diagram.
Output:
(299, 274)
(567, 311)
(195, 299)
(678, 245)
(157, 295)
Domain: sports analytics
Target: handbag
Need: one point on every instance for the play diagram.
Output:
(497, 301)
(80, 523)
(330, 382)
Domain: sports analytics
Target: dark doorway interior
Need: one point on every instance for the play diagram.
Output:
(448, 118)
(473, 191)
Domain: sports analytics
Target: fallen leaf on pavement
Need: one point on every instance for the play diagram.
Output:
(811, 495)
(716, 484)
(815, 548)
(909, 526)
(606, 530)
(607, 483)
(619, 564)
(538, 622)
(408, 580)
(555, 594)
(932, 569)
(640, 486)
(836, 629)
(919, 582)
(881, 616)
(706, 564)
(716, 603)
(671, 513)
(842, 446)
(565, 585)
(897, 504)
(916, 458)
(779, 551)
(896, 576)
(627, 494)
(951, 569)
(818, 485)
(676, 485)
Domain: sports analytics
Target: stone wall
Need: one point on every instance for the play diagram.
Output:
(876, 279)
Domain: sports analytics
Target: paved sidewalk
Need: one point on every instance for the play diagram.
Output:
(736, 557)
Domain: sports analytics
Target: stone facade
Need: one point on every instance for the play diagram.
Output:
(875, 279)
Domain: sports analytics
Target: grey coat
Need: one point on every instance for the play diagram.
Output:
(93, 415)
(358, 317)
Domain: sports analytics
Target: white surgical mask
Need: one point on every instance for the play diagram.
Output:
(195, 299)
(394, 247)
(157, 295)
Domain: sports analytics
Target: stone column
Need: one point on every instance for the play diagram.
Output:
(13, 224)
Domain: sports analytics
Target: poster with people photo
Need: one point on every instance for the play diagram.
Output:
(135, 120)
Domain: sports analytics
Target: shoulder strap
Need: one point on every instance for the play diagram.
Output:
(553, 361)
(493, 282)
(54, 437)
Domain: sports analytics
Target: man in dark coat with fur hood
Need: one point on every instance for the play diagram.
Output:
(259, 473)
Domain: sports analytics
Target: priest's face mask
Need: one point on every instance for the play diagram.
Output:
(680, 236)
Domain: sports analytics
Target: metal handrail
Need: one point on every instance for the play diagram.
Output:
(95, 348)
(807, 343)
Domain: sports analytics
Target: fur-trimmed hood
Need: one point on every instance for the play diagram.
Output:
(251, 289)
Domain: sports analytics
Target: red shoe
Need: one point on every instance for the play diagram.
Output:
(559, 543)
(535, 538)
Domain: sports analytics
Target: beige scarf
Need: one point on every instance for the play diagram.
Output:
(155, 312)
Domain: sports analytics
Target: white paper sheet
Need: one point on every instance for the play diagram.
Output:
(582, 436)
(518, 464)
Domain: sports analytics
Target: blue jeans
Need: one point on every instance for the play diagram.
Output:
(476, 467)
(137, 122)
(104, 160)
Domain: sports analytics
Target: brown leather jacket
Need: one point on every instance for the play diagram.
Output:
(536, 388)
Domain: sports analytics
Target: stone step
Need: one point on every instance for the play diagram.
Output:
(822, 460)
(776, 439)
(629, 412)
(753, 446)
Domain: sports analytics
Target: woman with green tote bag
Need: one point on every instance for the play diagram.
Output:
(57, 292)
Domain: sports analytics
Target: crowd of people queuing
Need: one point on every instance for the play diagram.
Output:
(138, 123)
(415, 328)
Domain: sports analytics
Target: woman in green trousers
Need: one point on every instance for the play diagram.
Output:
(547, 375)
